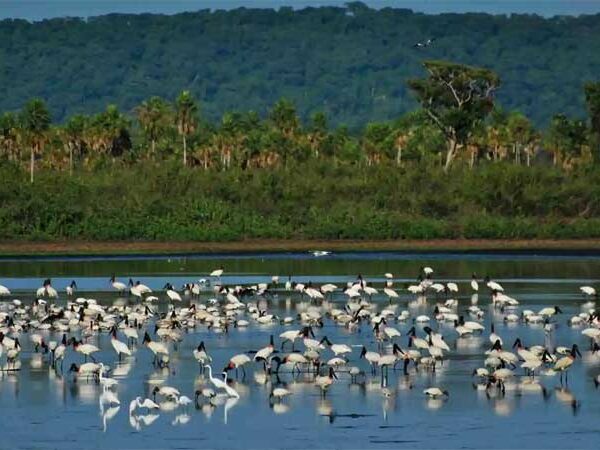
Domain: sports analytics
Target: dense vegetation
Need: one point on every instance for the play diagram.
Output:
(460, 164)
(314, 199)
(164, 174)
(351, 63)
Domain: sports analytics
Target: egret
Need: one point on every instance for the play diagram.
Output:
(221, 384)
(474, 283)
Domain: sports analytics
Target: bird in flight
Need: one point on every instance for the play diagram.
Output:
(425, 44)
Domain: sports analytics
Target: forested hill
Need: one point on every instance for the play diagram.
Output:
(350, 63)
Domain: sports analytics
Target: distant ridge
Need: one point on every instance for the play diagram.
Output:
(351, 63)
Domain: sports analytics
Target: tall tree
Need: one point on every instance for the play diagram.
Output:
(496, 134)
(284, 117)
(285, 124)
(74, 136)
(566, 139)
(317, 132)
(186, 118)
(9, 135)
(592, 100)
(153, 116)
(35, 120)
(521, 134)
(110, 132)
(377, 140)
(456, 98)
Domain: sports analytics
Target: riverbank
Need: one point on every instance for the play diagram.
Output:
(81, 248)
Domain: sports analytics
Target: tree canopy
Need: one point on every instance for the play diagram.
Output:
(352, 64)
(456, 98)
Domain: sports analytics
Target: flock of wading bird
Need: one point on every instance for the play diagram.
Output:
(137, 324)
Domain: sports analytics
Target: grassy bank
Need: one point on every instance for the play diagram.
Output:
(305, 202)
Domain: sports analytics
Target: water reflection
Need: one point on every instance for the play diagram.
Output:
(181, 419)
(229, 404)
(108, 415)
(147, 419)
(434, 403)
(280, 408)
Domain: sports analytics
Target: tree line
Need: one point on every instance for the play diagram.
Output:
(459, 122)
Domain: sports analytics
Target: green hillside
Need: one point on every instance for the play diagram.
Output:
(352, 64)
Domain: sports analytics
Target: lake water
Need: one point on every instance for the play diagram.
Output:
(40, 408)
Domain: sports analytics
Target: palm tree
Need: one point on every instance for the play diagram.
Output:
(497, 138)
(377, 140)
(285, 124)
(35, 119)
(253, 132)
(233, 132)
(401, 140)
(153, 116)
(109, 132)
(74, 135)
(9, 135)
(317, 132)
(284, 118)
(478, 140)
(566, 139)
(186, 112)
(520, 132)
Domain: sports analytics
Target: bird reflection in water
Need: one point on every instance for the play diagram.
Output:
(208, 409)
(181, 419)
(434, 403)
(110, 399)
(404, 384)
(122, 370)
(325, 409)
(229, 404)
(85, 392)
(503, 407)
(566, 397)
(109, 414)
(36, 362)
(136, 422)
(389, 402)
(280, 408)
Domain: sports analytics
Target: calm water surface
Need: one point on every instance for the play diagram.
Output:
(40, 408)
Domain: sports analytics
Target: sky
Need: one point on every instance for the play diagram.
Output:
(42, 9)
